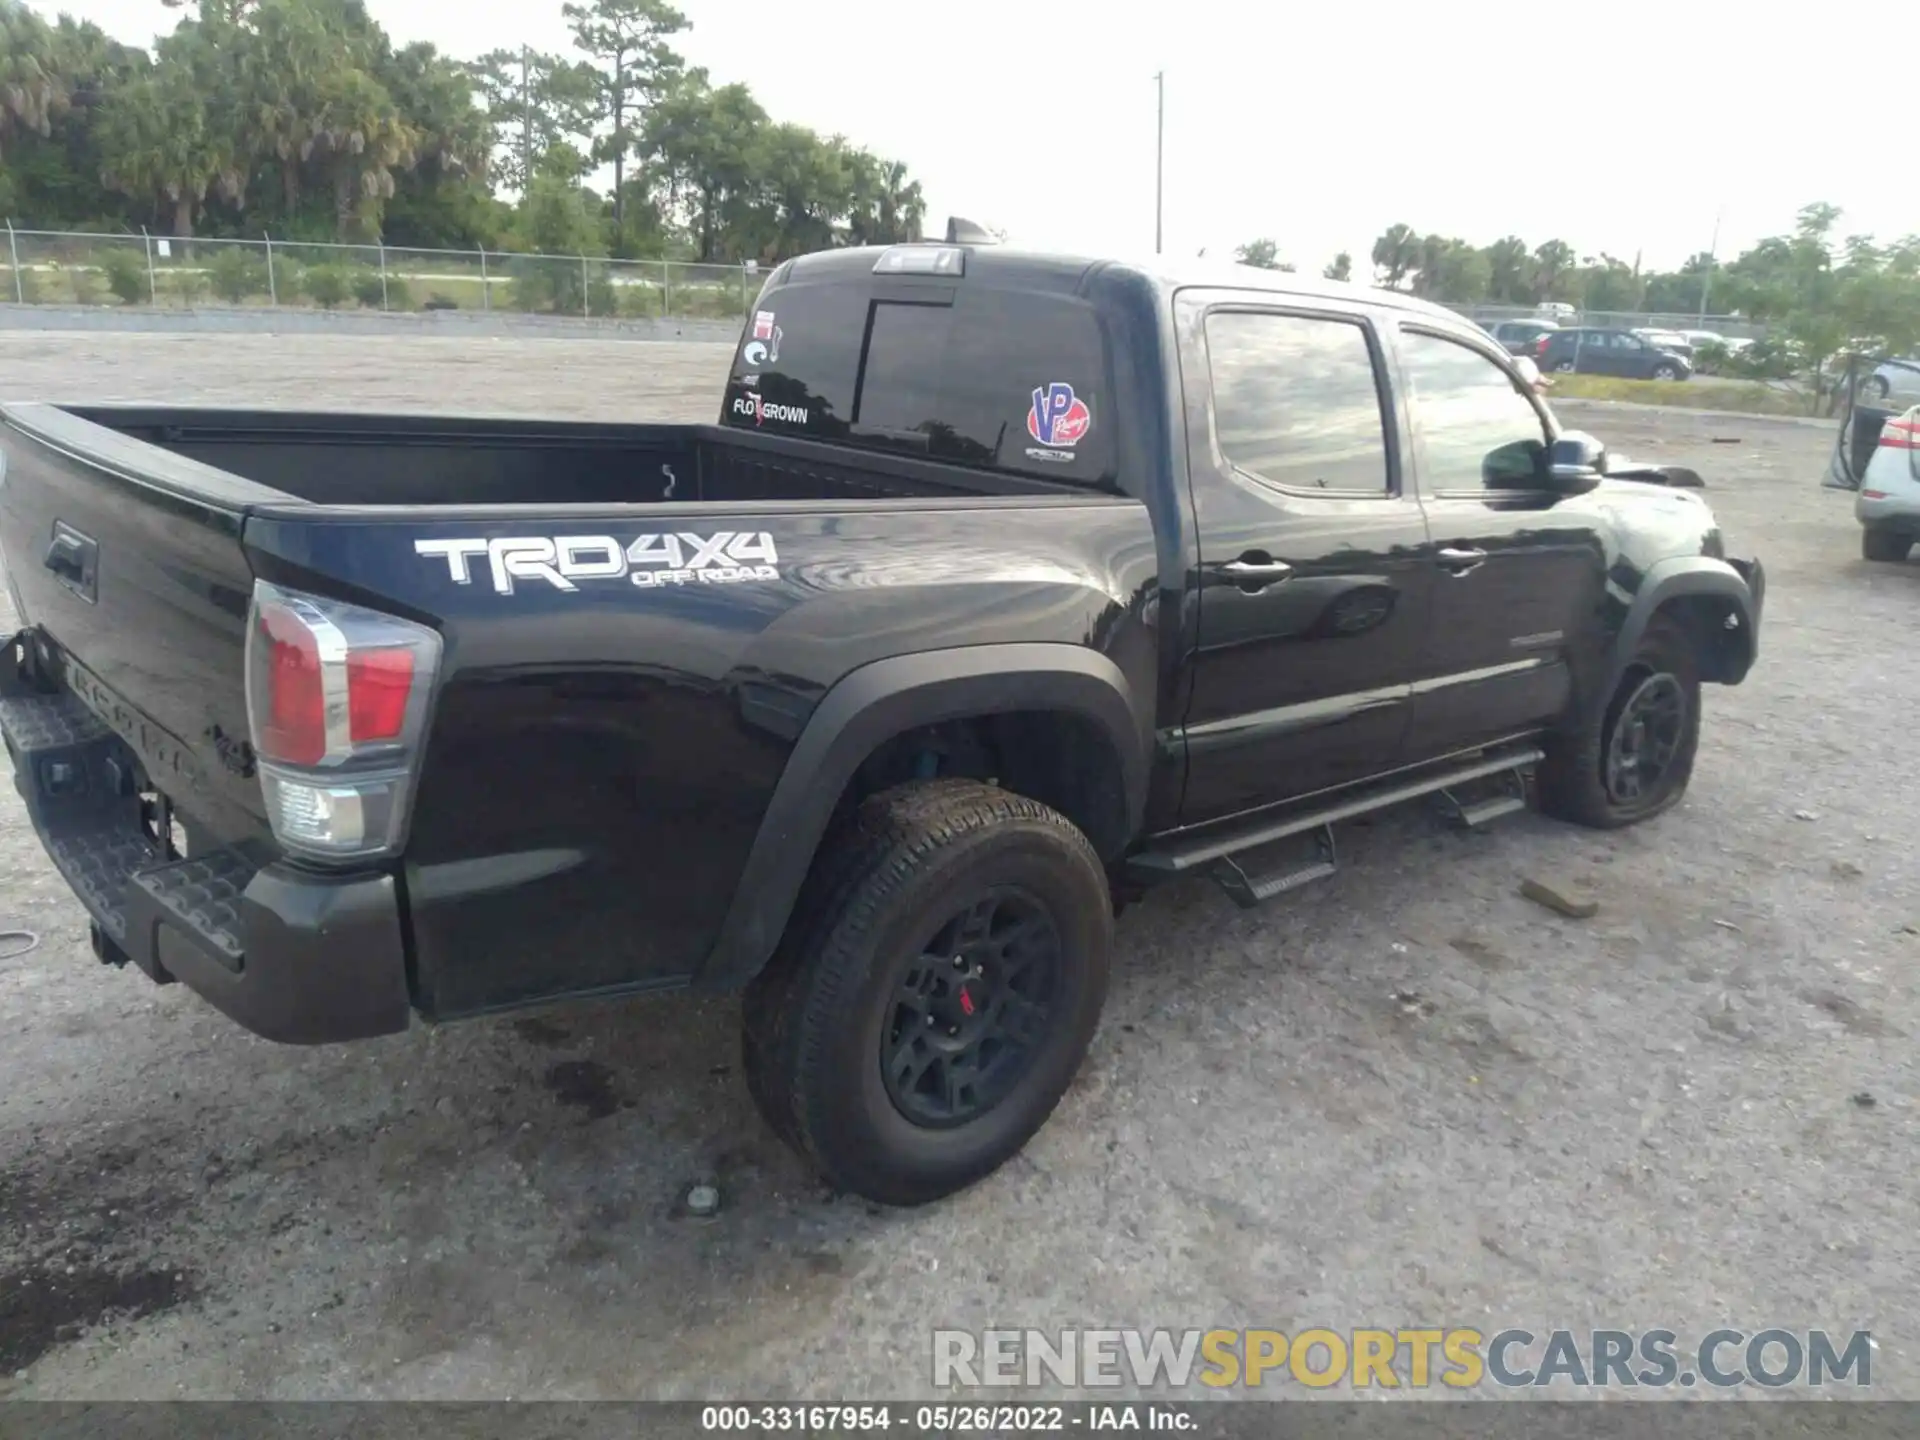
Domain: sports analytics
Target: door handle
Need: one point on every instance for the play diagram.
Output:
(1245, 571)
(1459, 562)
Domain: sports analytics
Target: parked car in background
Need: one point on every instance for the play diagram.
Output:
(1697, 338)
(1888, 505)
(1671, 340)
(1589, 350)
(1556, 310)
(1521, 337)
(1891, 379)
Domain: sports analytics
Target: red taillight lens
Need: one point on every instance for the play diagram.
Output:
(1900, 435)
(294, 727)
(1540, 345)
(379, 683)
(336, 703)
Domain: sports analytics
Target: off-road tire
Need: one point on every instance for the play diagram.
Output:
(1884, 546)
(1571, 783)
(815, 1017)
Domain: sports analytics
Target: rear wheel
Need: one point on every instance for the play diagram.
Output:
(1884, 545)
(1565, 367)
(1634, 759)
(935, 993)
(1877, 387)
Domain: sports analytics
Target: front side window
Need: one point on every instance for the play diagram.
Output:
(1296, 401)
(1476, 431)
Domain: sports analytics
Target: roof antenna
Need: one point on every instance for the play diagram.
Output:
(966, 232)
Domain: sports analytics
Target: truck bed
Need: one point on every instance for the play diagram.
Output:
(422, 460)
(599, 751)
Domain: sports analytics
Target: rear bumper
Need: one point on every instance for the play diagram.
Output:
(1889, 507)
(291, 955)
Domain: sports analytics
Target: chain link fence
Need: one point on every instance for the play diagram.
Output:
(48, 267)
(45, 267)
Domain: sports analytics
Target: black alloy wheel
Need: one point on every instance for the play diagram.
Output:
(969, 1008)
(1648, 735)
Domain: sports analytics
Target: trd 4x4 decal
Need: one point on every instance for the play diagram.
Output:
(681, 558)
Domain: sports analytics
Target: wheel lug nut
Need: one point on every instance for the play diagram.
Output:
(953, 1030)
(959, 962)
(929, 1019)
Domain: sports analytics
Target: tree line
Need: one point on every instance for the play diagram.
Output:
(302, 118)
(1819, 292)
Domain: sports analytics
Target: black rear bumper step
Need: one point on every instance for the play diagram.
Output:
(293, 955)
(1197, 851)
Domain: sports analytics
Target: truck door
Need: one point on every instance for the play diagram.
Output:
(1519, 571)
(1312, 574)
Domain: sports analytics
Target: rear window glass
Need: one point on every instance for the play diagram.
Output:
(1006, 380)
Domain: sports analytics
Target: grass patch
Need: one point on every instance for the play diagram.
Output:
(1747, 397)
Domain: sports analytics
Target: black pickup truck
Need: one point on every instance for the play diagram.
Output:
(1005, 584)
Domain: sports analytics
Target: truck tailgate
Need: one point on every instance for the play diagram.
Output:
(129, 561)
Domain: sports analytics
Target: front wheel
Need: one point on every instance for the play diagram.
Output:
(1565, 367)
(1633, 760)
(935, 992)
(1665, 372)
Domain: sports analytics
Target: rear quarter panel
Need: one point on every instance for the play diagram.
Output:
(601, 758)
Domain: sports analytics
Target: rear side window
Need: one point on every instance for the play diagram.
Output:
(1296, 401)
(1006, 380)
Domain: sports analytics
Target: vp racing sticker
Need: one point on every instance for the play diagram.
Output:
(1059, 420)
(683, 558)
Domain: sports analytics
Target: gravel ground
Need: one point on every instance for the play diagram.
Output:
(1404, 1097)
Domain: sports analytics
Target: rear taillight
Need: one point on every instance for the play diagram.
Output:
(337, 703)
(1540, 347)
(1901, 434)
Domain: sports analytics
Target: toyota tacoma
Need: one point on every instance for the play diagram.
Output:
(1004, 585)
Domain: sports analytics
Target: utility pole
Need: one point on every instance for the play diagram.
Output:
(1706, 280)
(526, 117)
(1159, 157)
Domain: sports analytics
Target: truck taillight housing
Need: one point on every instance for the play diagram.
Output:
(337, 705)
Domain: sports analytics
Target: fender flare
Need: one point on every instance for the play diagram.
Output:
(1682, 576)
(870, 706)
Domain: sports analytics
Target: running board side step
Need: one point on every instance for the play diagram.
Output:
(1247, 891)
(1197, 853)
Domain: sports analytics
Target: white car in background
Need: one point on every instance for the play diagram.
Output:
(1888, 505)
(1892, 380)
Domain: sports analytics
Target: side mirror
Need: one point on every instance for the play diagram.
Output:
(1576, 463)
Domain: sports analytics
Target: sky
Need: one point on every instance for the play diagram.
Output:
(1632, 128)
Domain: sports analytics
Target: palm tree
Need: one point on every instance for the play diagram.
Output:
(158, 146)
(32, 90)
(903, 208)
(362, 139)
(1510, 268)
(1395, 254)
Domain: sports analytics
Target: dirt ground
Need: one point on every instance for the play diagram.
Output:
(1406, 1096)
